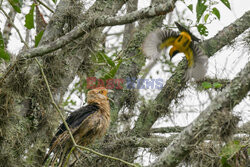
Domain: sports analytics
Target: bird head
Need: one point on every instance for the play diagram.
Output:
(98, 94)
(182, 28)
(181, 44)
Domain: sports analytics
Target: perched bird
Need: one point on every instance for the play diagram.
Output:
(87, 124)
(183, 42)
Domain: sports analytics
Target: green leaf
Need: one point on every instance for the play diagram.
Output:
(113, 71)
(137, 165)
(38, 37)
(206, 85)
(4, 55)
(217, 85)
(54, 1)
(202, 29)
(200, 9)
(29, 18)
(16, 5)
(103, 58)
(1, 41)
(226, 3)
(108, 60)
(230, 149)
(190, 7)
(206, 17)
(224, 162)
(216, 12)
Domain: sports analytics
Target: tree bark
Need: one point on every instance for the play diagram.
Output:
(207, 121)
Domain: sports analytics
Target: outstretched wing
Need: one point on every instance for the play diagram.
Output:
(200, 62)
(156, 41)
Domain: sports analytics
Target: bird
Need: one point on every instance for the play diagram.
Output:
(181, 42)
(88, 123)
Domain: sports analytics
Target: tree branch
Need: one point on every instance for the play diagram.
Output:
(135, 142)
(228, 34)
(245, 128)
(67, 127)
(17, 30)
(176, 84)
(8, 26)
(201, 126)
(47, 7)
(85, 27)
(175, 129)
(60, 69)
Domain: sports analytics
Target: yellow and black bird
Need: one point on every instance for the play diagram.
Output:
(182, 42)
(87, 124)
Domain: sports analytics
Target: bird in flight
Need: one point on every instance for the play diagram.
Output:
(181, 42)
(88, 123)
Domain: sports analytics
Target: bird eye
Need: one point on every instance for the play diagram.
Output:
(101, 92)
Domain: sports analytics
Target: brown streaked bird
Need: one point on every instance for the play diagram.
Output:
(87, 124)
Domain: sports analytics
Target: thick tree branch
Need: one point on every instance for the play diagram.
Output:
(66, 125)
(198, 129)
(227, 35)
(133, 62)
(61, 69)
(158, 142)
(8, 26)
(129, 29)
(85, 27)
(135, 142)
(175, 129)
(245, 128)
(176, 84)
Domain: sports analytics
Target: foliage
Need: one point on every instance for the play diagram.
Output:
(3, 53)
(208, 85)
(29, 18)
(104, 68)
(108, 66)
(230, 152)
(16, 4)
(38, 37)
(102, 65)
(206, 9)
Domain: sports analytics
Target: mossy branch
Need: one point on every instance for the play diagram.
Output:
(100, 21)
(67, 127)
(46, 6)
(196, 132)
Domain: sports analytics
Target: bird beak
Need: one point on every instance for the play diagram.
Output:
(110, 91)
(174, 53)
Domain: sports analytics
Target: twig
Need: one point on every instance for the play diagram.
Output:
(67, 127)
(45, 6)
(54, 103)
(67, 160)
(101, 21)
(107, 156)
(22, 40)
(17, 30)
